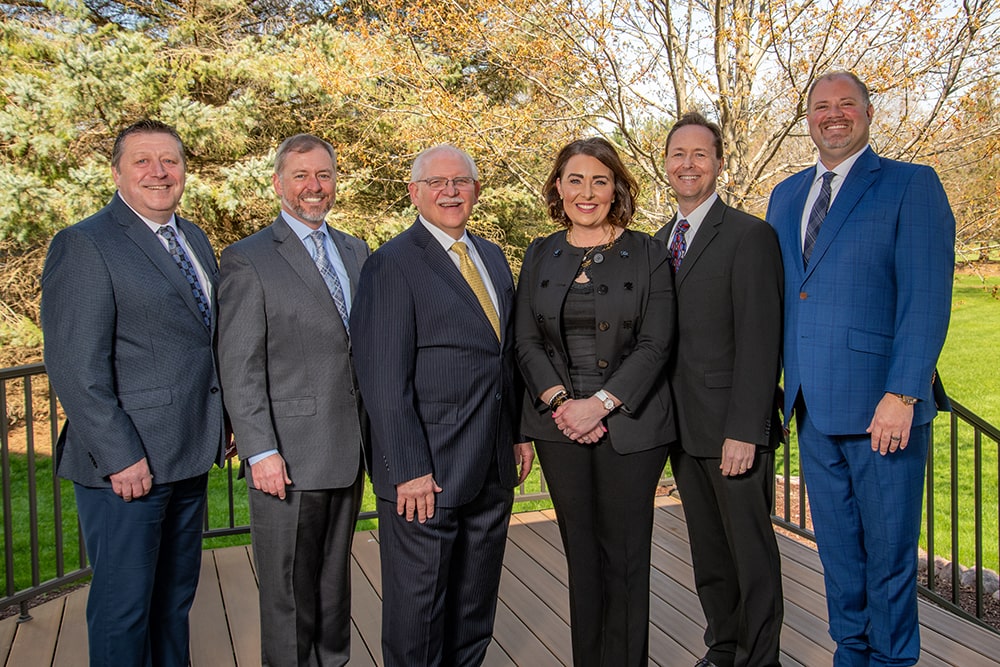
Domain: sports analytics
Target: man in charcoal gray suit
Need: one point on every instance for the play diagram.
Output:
(288, 382)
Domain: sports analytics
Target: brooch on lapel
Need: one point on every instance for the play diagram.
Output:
(557, 252)
(623, 253)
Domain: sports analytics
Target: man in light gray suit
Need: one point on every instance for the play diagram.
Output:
(128, 319)
(288, 381)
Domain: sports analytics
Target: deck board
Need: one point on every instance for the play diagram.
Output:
(532, 626)
(35, 640)
(72, 642)
(209, 624)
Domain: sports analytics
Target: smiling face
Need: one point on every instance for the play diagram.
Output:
(150, 174)
(839, 119)
(587, 188)
(449, 208)
(692, 166)
(307, 185)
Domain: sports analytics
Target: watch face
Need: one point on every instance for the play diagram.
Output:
(609, 404)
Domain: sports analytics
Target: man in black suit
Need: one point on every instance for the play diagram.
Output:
(724, 376)
(128, 321)
(288, 380)
(434, 349)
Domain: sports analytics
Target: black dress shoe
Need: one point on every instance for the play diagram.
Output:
(704, 662)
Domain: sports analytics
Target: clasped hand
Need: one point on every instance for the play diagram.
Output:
(580, 419)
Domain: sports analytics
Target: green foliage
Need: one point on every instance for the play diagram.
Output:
(968, 370)
(21, 332)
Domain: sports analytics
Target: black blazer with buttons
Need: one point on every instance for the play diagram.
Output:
(635, 315)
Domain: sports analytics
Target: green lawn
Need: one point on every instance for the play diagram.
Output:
(970, 372)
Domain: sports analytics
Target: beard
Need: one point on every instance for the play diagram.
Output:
(314, 213)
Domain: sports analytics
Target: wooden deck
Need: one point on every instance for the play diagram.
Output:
(532, 626)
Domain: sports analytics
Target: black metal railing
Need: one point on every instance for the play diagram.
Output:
(963, 429)
(39, 508)
(34, 497)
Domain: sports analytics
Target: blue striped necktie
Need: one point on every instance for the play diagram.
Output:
(187, 268)
(816, 217)
(330, 277)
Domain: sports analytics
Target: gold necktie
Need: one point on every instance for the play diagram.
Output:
(471, 275)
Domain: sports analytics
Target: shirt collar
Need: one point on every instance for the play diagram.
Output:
(443, 238)
(301, 229)
(154, 226)
(696, 216)
(842, 169)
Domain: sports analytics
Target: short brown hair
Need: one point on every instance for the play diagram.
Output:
(300, 143)
(695, 118)
(144, 126)
(626, 187)
(841, 74)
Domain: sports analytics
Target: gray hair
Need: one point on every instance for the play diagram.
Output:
(417, 170)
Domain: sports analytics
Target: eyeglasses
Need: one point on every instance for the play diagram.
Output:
(437, 183)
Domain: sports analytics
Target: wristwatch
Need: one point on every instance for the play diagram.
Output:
(606, 400)
(907, 400)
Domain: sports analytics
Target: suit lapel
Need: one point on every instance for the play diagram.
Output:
(143, 236)
(202, 251)
(858, 180)
(441, 263)
(291, 249)
(792, 235)
(348, 255)
(707, 231)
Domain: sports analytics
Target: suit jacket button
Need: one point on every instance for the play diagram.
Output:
(803, 295)
(498, 396)
(603, 326)
(214, 390)
(602, 363)
(602, 289)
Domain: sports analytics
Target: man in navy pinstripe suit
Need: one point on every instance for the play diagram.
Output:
(435, 363)
(128, 321)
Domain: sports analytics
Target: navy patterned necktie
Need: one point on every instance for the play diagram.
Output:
(330, 277)
(678, 245)
(187, 268)
(816, 217)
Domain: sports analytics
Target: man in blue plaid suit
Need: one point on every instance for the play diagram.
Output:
(868, 250)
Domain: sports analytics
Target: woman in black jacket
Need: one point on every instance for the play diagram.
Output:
(595, 319)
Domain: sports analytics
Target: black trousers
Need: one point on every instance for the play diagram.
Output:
(440, 579)
(604, 504)
(737, 568)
